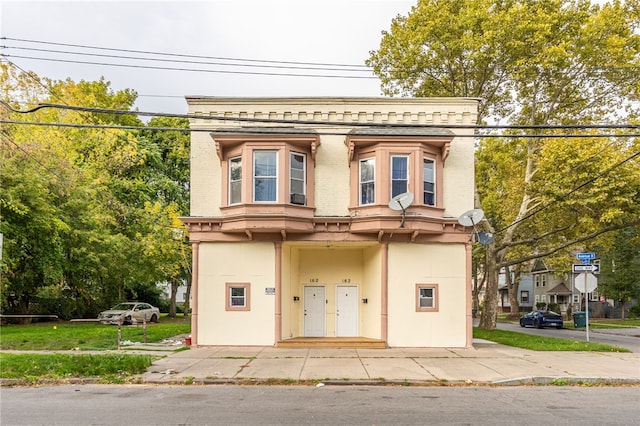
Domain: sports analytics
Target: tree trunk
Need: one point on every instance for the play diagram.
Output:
(489, 316)
(187, 297)
(175, 283)
(514, 287)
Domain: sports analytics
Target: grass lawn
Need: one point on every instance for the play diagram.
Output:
(108, 368)
(83, 336)
(539, 343)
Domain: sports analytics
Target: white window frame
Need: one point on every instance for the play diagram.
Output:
(293, 179)
(433, 298)
(372, 161)
(432, 182)
(273, 177)
(404, 179)
(233, 161)
(230, 297)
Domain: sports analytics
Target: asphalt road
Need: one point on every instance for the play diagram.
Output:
(329, 405)
(628, 338)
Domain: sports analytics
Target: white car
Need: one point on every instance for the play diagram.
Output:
(130, 313)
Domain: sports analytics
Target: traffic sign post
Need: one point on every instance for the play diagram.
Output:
(586, 283)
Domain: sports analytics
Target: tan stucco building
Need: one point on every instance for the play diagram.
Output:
(296, 233)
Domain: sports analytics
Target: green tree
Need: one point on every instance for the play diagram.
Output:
(620, 268)
(534, 63)
(79, 204)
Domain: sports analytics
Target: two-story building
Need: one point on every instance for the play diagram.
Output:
(331, 218)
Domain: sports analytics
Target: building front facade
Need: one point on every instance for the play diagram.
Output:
(331, 217)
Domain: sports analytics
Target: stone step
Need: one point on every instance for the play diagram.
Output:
(332, 342)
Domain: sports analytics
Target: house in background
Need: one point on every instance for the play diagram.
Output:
(525, 294)
(331, 218)
(165, 289)
(550, 287)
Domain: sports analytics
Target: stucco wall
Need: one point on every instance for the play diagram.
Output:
(427, 264)
(252, 263)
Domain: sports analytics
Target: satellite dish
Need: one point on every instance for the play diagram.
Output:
(400, 203)
(484, 238)
(471, 217)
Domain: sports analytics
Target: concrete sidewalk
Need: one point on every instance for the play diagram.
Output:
(485, 364)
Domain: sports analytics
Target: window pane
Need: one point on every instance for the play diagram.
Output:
(297, 174)
(367, 181)
(265, 189)
(265, 163)
(399, 175)
(428, 182)
(426, 298)
(237, 296)
(235, 180)
(265, 171)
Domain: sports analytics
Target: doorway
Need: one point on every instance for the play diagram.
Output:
(314, 311)
(347, 311)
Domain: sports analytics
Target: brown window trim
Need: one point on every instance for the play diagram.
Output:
(436, 296)
(233, 145)
(247, 297)
(382, 149)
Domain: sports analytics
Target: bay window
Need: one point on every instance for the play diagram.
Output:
(389, 162)
(271, 170)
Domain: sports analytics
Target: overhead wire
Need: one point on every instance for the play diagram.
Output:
(183, 61)
(147, 52)
(348, 124)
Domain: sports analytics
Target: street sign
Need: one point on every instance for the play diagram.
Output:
(579, 268)
(586, 283)
(586, 256)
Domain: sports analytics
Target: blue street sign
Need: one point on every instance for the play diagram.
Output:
(586, 256)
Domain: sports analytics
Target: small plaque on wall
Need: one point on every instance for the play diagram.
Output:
(270, 291)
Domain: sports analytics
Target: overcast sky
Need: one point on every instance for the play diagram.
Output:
(311, 31)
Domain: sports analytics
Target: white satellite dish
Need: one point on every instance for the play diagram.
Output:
(471, 218)
(400, 203)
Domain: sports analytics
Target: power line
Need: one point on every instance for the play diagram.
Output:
(350, 124)
(146, 52)
(151, 67)
(290, 130)
(182, 61)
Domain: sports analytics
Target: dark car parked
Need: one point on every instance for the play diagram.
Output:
(542, 319)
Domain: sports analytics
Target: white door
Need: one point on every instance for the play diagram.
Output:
(347, 311)
(314, 302)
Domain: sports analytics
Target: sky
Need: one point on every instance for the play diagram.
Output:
(340, 32)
